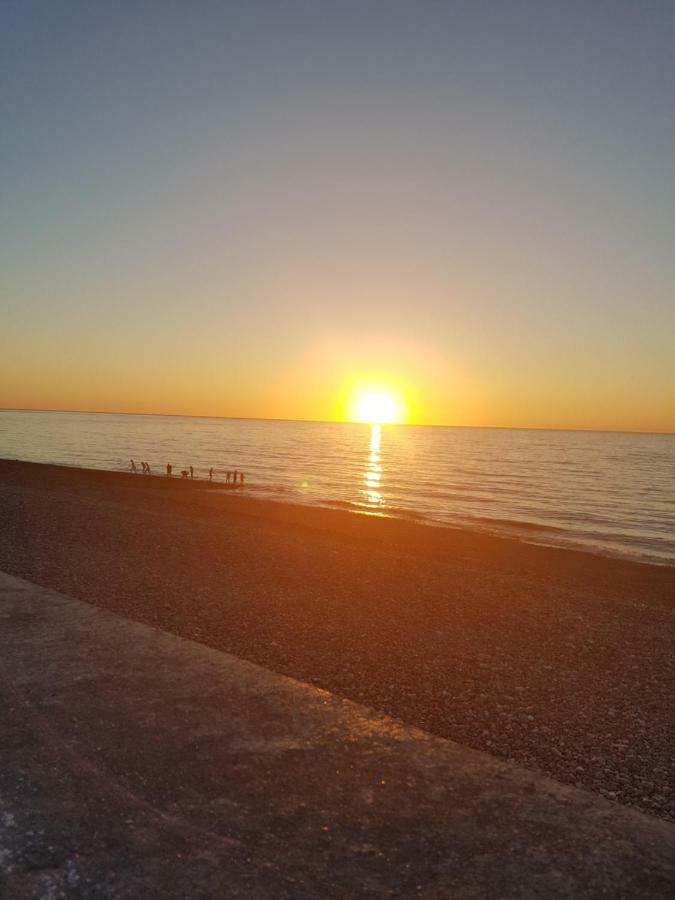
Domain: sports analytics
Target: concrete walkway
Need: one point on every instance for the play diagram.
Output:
(136, 764)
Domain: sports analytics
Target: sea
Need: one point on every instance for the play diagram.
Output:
(605, 492)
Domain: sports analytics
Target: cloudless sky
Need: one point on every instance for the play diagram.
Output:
(243, 208)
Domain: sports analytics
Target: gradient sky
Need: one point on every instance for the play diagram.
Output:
(243, 208)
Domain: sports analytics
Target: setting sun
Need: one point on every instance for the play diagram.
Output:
(377, 406)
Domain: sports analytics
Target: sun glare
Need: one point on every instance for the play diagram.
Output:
(377, 406)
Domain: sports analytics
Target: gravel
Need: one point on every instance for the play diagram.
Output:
(556, 660)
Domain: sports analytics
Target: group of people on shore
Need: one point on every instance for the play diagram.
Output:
(231, 477)
(145, 468)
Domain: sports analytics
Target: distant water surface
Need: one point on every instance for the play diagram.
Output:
(605, 492)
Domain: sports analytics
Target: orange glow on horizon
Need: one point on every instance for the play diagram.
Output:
(322, 381)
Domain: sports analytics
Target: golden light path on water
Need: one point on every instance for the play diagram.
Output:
(373, 474)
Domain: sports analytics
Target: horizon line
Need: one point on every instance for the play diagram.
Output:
(98, 412)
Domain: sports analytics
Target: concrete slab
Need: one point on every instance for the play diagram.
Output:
(137, 764)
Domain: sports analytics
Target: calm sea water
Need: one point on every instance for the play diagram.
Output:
(605, 492)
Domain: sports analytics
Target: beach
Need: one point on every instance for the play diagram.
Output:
(555, 659)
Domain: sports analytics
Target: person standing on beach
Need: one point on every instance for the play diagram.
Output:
(168, 469)
(241, 477)
(234, 477)
(227, 477)
(211, 474)
(192, 472)
(133, 466)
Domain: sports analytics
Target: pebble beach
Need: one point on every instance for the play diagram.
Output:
(558, 660)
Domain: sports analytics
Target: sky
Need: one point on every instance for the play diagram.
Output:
(250, 208)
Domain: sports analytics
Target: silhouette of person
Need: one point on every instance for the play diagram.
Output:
(184, 473)
(234, 477)
(133, 466)
(169, 469)
(147, 468)
(211, 474)
(241, 477)
(192, 472)
(227, 477)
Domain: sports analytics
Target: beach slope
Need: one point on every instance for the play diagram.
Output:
(559, 660)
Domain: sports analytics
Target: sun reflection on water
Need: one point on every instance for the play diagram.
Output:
(373, 474)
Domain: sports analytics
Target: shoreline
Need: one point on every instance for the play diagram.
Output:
(316, 513)
(557, 659)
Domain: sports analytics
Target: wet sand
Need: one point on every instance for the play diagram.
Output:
(557, 659)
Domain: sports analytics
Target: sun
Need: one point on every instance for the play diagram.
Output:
(377, 406)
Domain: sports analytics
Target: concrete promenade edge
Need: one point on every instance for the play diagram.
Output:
(136, 764)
